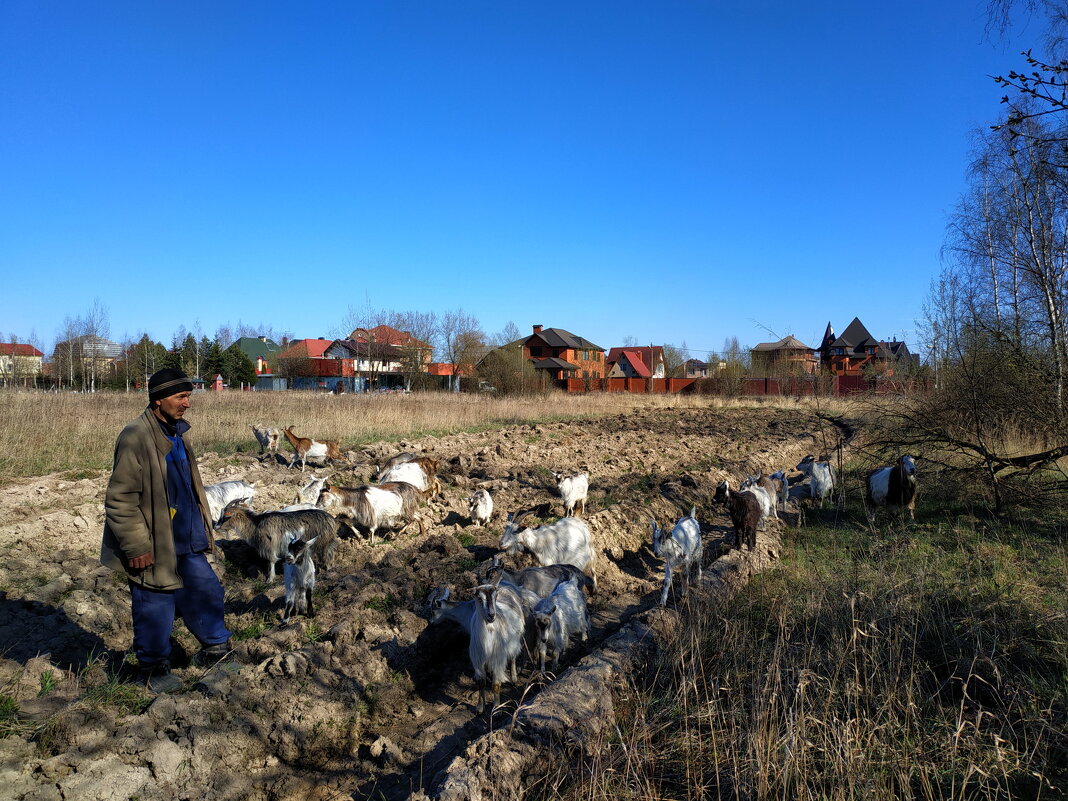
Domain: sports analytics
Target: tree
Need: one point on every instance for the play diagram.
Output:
(238, 368)
(422, 328)
(675, 361)
(461, 341)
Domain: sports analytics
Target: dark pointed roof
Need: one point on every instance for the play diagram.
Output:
(828, 336)
(855, 336)
(559, 338)
(553, 363)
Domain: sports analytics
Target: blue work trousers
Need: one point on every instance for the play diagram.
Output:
(199, 603)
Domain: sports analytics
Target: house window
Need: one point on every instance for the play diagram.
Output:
(535, 350)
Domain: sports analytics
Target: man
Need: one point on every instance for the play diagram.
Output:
(158, 530)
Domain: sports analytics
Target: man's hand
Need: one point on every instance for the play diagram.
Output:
(142, 561)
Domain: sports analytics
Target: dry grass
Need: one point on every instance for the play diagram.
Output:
(45, 432)
(922, 663)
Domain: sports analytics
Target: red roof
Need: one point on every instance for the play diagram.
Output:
(635, 359)
(388, 335)
(306, 348)
(645, 354)
(10, 349)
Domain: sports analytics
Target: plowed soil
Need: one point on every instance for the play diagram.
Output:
(366, 700)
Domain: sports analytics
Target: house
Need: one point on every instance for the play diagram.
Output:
(695, 368)
(19, 363)
(559, 354)
(366, 357)
(636, 362)
(787, 356)
(259, 350)
(86, 359)
(856, 351)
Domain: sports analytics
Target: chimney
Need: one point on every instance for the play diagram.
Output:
(537, 329)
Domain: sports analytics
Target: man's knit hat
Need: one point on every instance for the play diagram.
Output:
(166, 382)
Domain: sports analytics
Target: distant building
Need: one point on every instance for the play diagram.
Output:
(695, 368)
(636, 362)
(259, 351)
(20, 364)
(856, 351)
(787, 356)
(559, 354)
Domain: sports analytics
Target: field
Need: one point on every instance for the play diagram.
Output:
(816, 679)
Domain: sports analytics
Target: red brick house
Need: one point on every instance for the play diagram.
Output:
(636, 362)
(561, 354)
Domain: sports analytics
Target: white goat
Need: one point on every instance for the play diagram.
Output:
(224, 493)
(393, 505)
(820, 475)
(420, 472)
(573, 487)
(480, 507)
(299, 576)
(309, 493)
(567, 541)
(775, 485)
(267, 437)
(442, 607)
(497, 628)
(558, 617)
(680, 549)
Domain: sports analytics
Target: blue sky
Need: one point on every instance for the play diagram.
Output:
(669, 171)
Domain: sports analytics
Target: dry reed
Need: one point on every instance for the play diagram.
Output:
(45, 432)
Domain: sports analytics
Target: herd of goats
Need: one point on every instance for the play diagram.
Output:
(540, 607)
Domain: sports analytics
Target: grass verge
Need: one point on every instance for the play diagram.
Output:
(925, 661)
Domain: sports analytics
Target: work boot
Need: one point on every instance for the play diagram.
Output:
(212, 654)
(158, 678)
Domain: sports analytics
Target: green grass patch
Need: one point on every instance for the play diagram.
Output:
(382, 603)
(127, 698)
(253, 630)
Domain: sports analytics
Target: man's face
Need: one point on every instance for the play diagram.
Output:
(173, 407)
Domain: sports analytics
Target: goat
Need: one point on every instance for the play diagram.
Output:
(567, 541)
(267, 437)
(480, 507)
(270, 533)
(442, 607)
(744, 511)
(420, 472)
(539, 580)
(764, 498)
(309, 493)
(820, 477)
(304, 449)
(497, 627)
(224, 493)
(775, 485)
(393, 505)
(558, 617)
(573, 487)
(894, 486)
(679, 548)
(393, 461)
(299, 577)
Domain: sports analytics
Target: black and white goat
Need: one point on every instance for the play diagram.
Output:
(299, 577)
(270, 533)
(745, 513)
(567, 541)
(680, 549)
(894, 486)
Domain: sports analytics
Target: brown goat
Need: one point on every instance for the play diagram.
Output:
(744, 510)
(304, 449)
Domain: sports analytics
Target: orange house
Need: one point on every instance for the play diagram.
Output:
(561, 354)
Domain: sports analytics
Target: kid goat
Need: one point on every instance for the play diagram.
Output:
(574, 487)
(820, 477)
(745, 513)
(558, 617)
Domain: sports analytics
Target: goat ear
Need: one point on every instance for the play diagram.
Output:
(693, 512)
